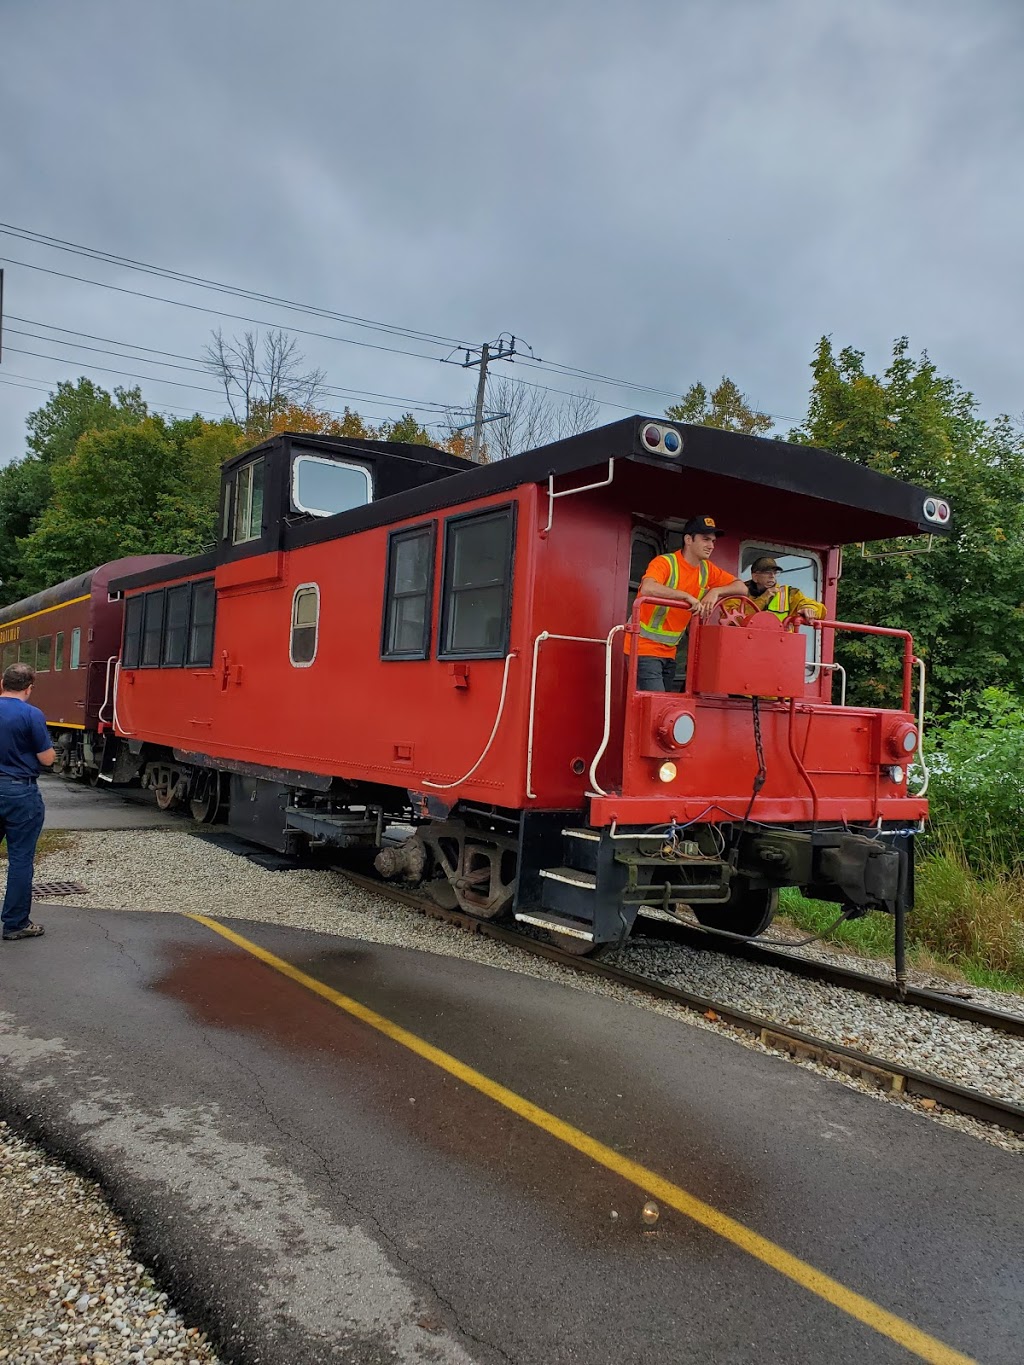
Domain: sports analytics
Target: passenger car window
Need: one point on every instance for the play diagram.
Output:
(324, 487)
(10, 655)
(27, 652)
(58, 653)
(201, 623)
(44, 653)
(76, 647)
(477, 599)
(305, 625)
(248, 492)
(408, 592)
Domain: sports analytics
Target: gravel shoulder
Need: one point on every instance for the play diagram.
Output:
(70, 1289)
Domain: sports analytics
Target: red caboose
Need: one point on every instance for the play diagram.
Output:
(388, 635)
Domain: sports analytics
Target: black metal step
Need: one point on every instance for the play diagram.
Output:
(557, 924)
(581, 848)
(568, 891)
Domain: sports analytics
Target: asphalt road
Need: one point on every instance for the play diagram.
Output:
(71, 805)
(317, 1191)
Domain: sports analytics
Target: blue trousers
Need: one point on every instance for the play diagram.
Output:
(21, 822)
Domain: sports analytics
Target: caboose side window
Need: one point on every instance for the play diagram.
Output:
(152, 629)
(324, 487)
(44, 653)
(305, 625)
(132, 651)
(476, 605)
(248, 492)
(408, 592)
(202, 618)
(58, 652)
(176, 627)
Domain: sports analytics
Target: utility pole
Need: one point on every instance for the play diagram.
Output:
(490, 350)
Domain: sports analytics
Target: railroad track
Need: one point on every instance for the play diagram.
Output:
(887, 1075)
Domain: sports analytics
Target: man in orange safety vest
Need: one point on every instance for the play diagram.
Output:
(688, 577)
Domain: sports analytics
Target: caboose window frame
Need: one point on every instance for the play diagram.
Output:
(450, 592)
(200, 645)
(393, 597)
(242, 498)
(131, 645)
(763, 547)
(303, 457)
(307, 588)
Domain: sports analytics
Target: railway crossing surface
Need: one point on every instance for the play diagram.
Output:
(338, 1151)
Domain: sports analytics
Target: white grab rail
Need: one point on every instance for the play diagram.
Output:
(545, 635)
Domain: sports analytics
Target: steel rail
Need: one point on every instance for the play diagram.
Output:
(884, 1074)
(833, 974)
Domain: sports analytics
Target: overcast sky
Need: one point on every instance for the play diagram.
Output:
(660, 192)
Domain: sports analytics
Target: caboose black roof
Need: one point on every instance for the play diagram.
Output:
(839, 495)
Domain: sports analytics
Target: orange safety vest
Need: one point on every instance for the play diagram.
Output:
(655, 620)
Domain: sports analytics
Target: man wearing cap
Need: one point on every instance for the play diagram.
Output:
(784, 602)
(688, 577)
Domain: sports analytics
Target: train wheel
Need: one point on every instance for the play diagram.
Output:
(206, 797)
(747, 912)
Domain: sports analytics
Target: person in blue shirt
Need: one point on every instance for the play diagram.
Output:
(26, 750)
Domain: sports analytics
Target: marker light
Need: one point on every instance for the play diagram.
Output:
(660, 440)
(936, 509)
(667, 772)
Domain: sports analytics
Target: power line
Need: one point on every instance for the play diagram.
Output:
(238, 291)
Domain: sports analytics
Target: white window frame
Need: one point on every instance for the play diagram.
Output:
(304, 663)
(802, 552)
(334, 464)
(250, 470)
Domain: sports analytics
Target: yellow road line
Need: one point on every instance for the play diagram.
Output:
(6, 625)
(918, 1343)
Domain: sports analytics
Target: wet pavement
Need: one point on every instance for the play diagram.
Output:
(319, 1192)
(76, 805)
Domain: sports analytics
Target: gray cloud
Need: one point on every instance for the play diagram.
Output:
(666, 192)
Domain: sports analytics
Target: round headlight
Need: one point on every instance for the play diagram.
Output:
(896, 773)
(667, 772)
(910, 741)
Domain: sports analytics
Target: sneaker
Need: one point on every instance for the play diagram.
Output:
(29, 930)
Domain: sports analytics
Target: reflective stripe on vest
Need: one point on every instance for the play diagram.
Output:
(655, 628)
(779, 604)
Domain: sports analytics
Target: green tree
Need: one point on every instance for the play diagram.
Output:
(964, 600)
(725, 407)
(142, 489)
(26, 484)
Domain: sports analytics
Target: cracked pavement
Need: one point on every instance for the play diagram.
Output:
(311, 1191)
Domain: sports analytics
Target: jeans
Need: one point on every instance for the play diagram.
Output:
(655, 674)
(21, 822)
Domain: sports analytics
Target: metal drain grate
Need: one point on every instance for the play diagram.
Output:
(44, 890)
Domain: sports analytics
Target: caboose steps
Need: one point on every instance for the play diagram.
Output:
(569, 891)
(557, 925)
(581, 848)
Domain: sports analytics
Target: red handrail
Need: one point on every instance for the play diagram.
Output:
(904, 635)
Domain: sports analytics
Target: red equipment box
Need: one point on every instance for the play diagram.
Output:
(760, 659)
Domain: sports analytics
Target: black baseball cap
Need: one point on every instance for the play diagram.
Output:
(701, 526)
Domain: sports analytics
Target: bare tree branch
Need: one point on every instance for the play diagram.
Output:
(533, 418)
(266, 377)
